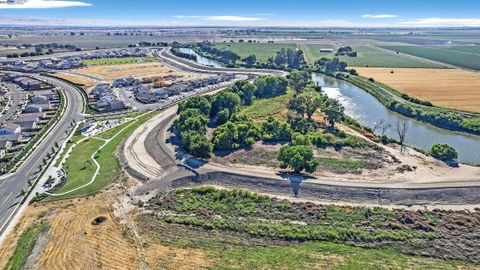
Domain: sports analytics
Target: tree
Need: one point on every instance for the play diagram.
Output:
(444, 152)
(299, 158)
(306, 103)
(245, 90)
(401, 128)
(197, 102)
(225, 137)
(333, 111)
(275, 130)
(299, 80)
(191, 120)
(250, 61)
(225, 100)
(197, 144)
(223, 116)
(270, 86)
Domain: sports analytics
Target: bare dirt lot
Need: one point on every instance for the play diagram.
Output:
(111, 72)
(451, 88)
(87, 82)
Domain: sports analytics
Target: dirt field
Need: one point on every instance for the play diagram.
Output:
(111, 72)
(77, 79)
(449, 88)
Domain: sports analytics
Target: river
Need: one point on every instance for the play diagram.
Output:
(367, 110)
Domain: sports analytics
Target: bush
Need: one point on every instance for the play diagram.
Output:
(444, 152)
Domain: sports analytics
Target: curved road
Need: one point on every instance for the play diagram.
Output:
(12, 185)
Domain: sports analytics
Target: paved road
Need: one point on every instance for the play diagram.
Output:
(12, 186)
(17, 95)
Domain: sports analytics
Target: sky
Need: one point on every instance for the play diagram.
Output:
(308, 13)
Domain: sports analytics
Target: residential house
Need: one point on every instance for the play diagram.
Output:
(5, 145)
(10, 128)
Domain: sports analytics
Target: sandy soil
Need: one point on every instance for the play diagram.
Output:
(451, 88)
(111, 72)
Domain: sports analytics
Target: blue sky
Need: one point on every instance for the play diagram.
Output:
(346, 13)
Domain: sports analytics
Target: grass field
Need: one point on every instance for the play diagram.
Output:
(451, 88)
(261, 50)
(367, 56)
(120, 61)
(25, 245)
(467, 57)
(80, 168)
(262, 109)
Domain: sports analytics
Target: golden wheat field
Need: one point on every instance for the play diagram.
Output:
(451, 88)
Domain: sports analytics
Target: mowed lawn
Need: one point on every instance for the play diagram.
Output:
(119, 61)
(462, 56)
(451, 88)
(367, 56)
(261, 50)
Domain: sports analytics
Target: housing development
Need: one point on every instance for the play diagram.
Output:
(272, 138)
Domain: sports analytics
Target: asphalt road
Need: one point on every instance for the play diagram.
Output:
(12, 186)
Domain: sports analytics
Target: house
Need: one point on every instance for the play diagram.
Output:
(125, 82)
(27, 125)
(27, 117)
(39, 99)
(10, 128)
(28, 83)
(326, 50)
(36, 108)
(5, 145)
(13, 138)
(3, 153)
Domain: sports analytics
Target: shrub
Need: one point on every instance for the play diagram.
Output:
(443, 152)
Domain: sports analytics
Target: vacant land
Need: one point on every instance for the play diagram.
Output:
(262, 51)
(111, 72)
(120, 61)
(368, 56)
(77, 79)
(262, 109)
(451, 88)
(457, 56)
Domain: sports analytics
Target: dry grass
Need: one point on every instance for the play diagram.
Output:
(111, 72)
(451, 88)
(77, 79)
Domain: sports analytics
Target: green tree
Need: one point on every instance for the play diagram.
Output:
(191, 120)
(225, 100)
(198, 102)
(306, 103)
(225, 137)
(250, 61)
(223, 116)
(197, 144)
(299, 158)
(443, 152)
(275, 130)
(270, 86)
(333, 111)
(299, 80)
(245, 90)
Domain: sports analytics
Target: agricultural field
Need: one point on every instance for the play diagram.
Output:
(466, 57)
(262, 51)
(120, 61)
(368, 56)
(451, 88)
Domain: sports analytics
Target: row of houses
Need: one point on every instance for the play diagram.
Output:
(70, 62)
(33, 117)
(105, 98)
(147, 95)
(26, 83)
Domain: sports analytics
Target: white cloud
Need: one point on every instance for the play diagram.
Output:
(228, 18)
(378, 16)
(443, 22)
(34, 4)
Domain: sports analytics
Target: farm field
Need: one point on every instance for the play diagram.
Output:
(450, 55)
(368, 56)
(451, 88)
(87, 82)
(261, 50)
(119, 61)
